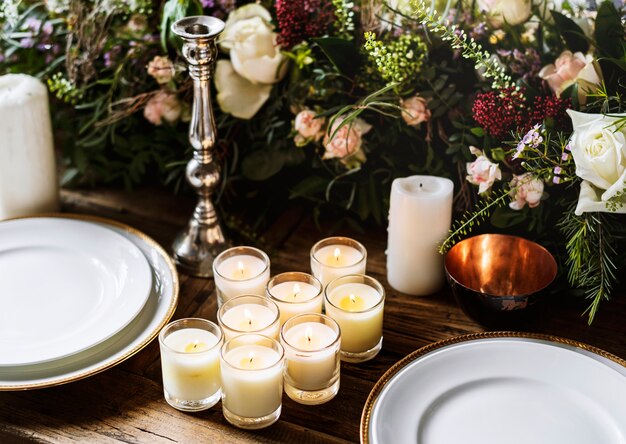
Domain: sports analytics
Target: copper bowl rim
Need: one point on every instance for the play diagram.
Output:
(508, 236)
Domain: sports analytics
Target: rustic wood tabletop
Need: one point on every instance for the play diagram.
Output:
(126, 404)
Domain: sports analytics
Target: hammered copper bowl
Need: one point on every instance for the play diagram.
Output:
(497, 279)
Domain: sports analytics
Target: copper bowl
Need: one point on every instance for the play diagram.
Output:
(496, 279)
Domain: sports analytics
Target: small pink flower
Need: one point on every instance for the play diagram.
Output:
(567, 69)
(307, 126)
(161, 68)
(415, 110)
(482, 171)
(346, 141)
(525, 189)
(164, 105)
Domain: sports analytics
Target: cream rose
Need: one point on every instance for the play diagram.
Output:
(513, 12)
(525, 189)
(415, 110)
(308, 126)
(482, 171)
(346, 141)
(250, 39)
(235, 94)
(570, 68)
(599, 150)
(164, 105)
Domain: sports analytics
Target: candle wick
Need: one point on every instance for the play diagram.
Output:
(251, 358)
(421, 185)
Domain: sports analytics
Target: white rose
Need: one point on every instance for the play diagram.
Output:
(236, 95)
(525, 189)
(250, 38)
(482, 171)
(512, 12)
(599, 150)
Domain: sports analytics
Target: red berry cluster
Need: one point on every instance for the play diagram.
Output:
(551, 109)
(299, 20)
(500, 112)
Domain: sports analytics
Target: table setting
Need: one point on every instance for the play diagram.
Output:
(316, 221)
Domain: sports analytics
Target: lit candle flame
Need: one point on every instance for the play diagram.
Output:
(352, 298)
(337, 253)
(240, 267)
(251, 358)
(296, 290)
(248, 315)
(308, 334)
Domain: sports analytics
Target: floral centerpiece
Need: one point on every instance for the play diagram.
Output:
(520, 101)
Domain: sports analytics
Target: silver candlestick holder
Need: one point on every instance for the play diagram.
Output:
(197, 245)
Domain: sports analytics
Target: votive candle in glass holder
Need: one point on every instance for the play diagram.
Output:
(190, 361)
(240, 270)
(312, 365)
(295, 293)
(249, 314)
(338, 256)
(252, 381)
(357, 302)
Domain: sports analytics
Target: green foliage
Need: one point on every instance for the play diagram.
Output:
(398, 60)
(341, 53)
(572, 34)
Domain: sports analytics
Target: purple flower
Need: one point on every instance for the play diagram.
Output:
(565, 157)
(27, 43)
(208, 3)
(556, 180)
(557, 170)
(47, 28)
(33, 24)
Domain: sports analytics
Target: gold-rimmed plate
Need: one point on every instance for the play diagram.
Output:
(499, 387)
(157, 311)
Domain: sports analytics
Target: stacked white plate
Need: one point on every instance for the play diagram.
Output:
(495, 388)
(78, 294)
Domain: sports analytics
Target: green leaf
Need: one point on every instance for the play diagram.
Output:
(341, 53)
(572, 33)
(262, 164)
(310, 186)
(504, 217)
(479, 132)
(498, 154)
(609, 33)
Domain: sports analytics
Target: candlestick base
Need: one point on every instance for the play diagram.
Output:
(362, 356)
(195, 405)
(196, 247)
(251, 423)
(312, 397)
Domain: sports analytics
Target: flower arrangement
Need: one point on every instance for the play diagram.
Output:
(327, 101)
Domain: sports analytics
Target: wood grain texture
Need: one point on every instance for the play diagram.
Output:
(125, 404)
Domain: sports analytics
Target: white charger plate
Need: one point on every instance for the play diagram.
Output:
(65, 285)
(158, 310)
(500, 388)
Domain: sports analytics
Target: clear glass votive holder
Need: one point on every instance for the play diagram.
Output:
(240, 270)
(357, 303)
(295, 293)
(337, 256)
(249, 314)
(312, 365)
(190, 362)
(252, 381)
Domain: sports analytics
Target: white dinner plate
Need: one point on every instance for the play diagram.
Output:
(500, 388)
(65, 285)
(158, 310)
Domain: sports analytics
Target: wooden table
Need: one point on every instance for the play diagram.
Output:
(125, 403)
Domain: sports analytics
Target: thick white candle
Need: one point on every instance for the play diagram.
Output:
(332, 261)
(241, 274)
(28, 176)
(249, 318)
(420, 214)
(310, 371)
(294, 298)
(351, 307)
(252, 382)
(191, 370)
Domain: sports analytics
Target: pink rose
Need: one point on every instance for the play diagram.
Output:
(415, 110)
(569, 68)
(164, 105)
(161, 68)
(308, 126)
(346, 141)
(525, 189)
(482, 171)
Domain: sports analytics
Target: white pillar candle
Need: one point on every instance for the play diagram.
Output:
(240, 270)
(337, 256)
(310, 363)
(190, 362)
(252, 380)
(357, 304)
(420, 214)
(295, 293)
(249, 314)
(28, 176)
